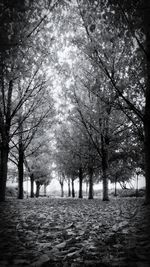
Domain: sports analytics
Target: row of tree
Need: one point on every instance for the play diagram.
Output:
(26, 103)
(98, 54)
(104, 134)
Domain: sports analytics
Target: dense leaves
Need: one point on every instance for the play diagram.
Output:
(54, 232)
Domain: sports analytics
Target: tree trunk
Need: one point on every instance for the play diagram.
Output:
(80, 182)
(90, 183)
(21, 156)
(45, 190)
(104, 169)
(73, 191)
(69, 189)
(32, 186)
(87, 184)
(147, 160)
(20, 171)
(105, 186)
(4, 150)
(147, 105)
(37, 189)
(62, 189)
(115, 188)
(137, 182)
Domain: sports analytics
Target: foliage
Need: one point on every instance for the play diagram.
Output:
(81, 232)
(93, 66)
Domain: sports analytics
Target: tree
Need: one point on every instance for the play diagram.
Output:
(126, 29)
(40, 171)
(86, 109)
(19, 56)
(61, 179)
(69, 187)
(39, 151)
(65, 161)
(103, 51)
(31, 116)
(13, 13)
(121, 174)
(146, 22)
(80, 181)
(96, 115)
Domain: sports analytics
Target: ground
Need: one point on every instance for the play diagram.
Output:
(74, 232)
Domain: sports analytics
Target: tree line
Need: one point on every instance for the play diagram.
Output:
(26, 103)
(102, 124)
(105, 95)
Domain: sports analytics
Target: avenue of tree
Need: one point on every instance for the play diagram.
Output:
(74, 93)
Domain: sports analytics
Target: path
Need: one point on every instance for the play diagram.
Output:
(74, 233)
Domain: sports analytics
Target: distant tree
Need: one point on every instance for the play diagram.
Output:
(81, 177)
(121, 172)
(40, 170)
(69, 187)
(69, 154)
(39, 154)
(72, 186)
(61, 179)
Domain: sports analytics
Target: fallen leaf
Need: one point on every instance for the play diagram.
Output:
(61, 245)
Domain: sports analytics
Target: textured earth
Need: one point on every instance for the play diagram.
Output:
(74, 232)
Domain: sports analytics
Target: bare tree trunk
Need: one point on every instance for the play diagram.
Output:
(105, 186)
(80, 182)
(104, 169)
(4, 149)
(32, 186)
(69, 188)
(146, 15)
(73, 191)
(37, 189)
(20, 171)
(87, 184)
(62, 189)
(115, 187)
(90, 183)
(45, 186)
(21, 153)
(137, 182)
(5, 122)
(147, 145)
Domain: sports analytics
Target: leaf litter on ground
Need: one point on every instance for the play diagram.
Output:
(74, 232)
